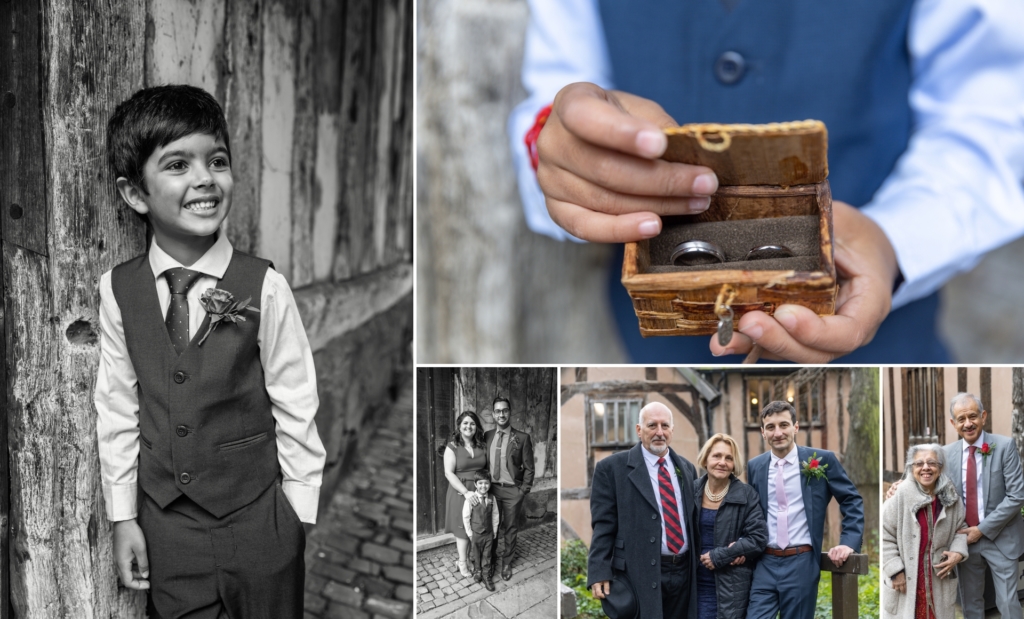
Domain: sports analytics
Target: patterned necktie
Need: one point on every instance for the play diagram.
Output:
(782, 521)
(496, 465)
(180, 280)
(669, 509)
(972, 488)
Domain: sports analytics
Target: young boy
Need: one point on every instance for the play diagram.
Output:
(206, 390)
(481, 523)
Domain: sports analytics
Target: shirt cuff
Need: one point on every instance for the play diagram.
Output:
(303, 498)
(121, 501)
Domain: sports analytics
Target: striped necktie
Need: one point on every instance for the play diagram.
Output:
(669, 510)
(180, 280)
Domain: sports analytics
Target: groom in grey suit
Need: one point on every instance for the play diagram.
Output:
(995, 530)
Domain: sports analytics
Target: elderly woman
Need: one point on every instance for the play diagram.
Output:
(464, 455)
(733, 532)
(920, 543)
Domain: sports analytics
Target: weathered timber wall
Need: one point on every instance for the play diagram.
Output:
(489, 290)
(318, 95)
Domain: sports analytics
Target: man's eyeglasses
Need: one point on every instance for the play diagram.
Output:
(931, 463)
(501, 410)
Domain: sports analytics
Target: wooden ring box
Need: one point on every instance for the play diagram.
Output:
(773, 189)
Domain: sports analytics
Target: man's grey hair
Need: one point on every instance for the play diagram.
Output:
(671, 417)
(960, 399)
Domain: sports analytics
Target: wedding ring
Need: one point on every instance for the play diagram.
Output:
(694, 253)
(766, 252)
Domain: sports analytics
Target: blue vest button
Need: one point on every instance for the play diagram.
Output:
(185, 478)
(182, 430)
(730, 67)
(179, 377)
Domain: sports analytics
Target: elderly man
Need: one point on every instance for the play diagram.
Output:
(986, 471)
(510, 458)
(796, 485)
(644, 519)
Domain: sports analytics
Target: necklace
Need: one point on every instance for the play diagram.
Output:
(715, 498)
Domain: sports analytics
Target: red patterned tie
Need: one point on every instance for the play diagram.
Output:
(673, 528)
(972, 489)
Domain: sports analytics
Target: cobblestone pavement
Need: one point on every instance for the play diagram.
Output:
(359, 558)
(443, 592)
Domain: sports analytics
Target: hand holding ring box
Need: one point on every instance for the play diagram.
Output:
(773, 191)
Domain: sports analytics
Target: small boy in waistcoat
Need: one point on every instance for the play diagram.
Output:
(206, 390)
(481, 524)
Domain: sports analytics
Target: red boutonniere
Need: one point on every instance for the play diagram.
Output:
(221, 306)
(813, 468)
(986, 451)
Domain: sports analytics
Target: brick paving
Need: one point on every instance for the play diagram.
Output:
(359, 558)
(443, 592)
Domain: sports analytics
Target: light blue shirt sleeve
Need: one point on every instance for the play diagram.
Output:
(955, 193)
(564, 45)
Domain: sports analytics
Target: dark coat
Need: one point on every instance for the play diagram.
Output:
(739, 520)
(518, 457)
(627, 526)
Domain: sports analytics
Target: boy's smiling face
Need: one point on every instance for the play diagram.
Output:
(189, 187)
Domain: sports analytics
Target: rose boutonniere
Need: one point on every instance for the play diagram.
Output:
(512, 444)
(221, 306)
(986, 451)
(813, 468)
(679, 473)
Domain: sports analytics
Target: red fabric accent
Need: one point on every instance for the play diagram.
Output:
(670, 511)
(923, 569)
(534, 133)
(972, 488)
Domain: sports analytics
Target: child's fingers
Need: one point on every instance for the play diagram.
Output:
(597, 227)
(588, 112)
(566, 186)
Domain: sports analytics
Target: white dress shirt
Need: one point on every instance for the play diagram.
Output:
(979, 462)
(501, 438)
(652, 470)
(287, 367)
(955, 193)
(796, 515)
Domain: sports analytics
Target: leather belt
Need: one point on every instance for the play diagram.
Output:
(503, 484)
(789, 552)
(674, 559)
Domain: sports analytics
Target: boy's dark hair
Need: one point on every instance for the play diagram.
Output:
(481, 475)
(154, 117)
(776, 407)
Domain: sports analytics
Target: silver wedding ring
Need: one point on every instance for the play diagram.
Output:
(767, 252)
(694, 253)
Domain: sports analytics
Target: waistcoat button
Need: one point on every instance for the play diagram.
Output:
(652, 540)
(730, 67)
(185, 478)
(182, 430)
(179, 377)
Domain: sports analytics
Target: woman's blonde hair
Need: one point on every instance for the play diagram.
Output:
(705, 452)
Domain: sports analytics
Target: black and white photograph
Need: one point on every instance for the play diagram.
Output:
(486, 492)
(206, 211)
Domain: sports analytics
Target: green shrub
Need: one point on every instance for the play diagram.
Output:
(574, 575)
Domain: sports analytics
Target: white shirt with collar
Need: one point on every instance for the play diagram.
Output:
(652, 470)
(978, 464)
(796, 514)
(501, 438)
(287, 367)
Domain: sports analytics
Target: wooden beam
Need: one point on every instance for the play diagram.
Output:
(844, 584)
(575, 494)
(330, 310)
(621, 387)
(706, 390)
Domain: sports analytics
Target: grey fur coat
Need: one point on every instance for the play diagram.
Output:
(901, 541)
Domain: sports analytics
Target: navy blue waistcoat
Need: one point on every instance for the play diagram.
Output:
(207, 430)
(844, 63)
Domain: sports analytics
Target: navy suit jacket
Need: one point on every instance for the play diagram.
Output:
(627, 526)
(817, 493)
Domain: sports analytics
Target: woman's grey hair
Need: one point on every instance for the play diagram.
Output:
(960, 398)
(912, 453)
